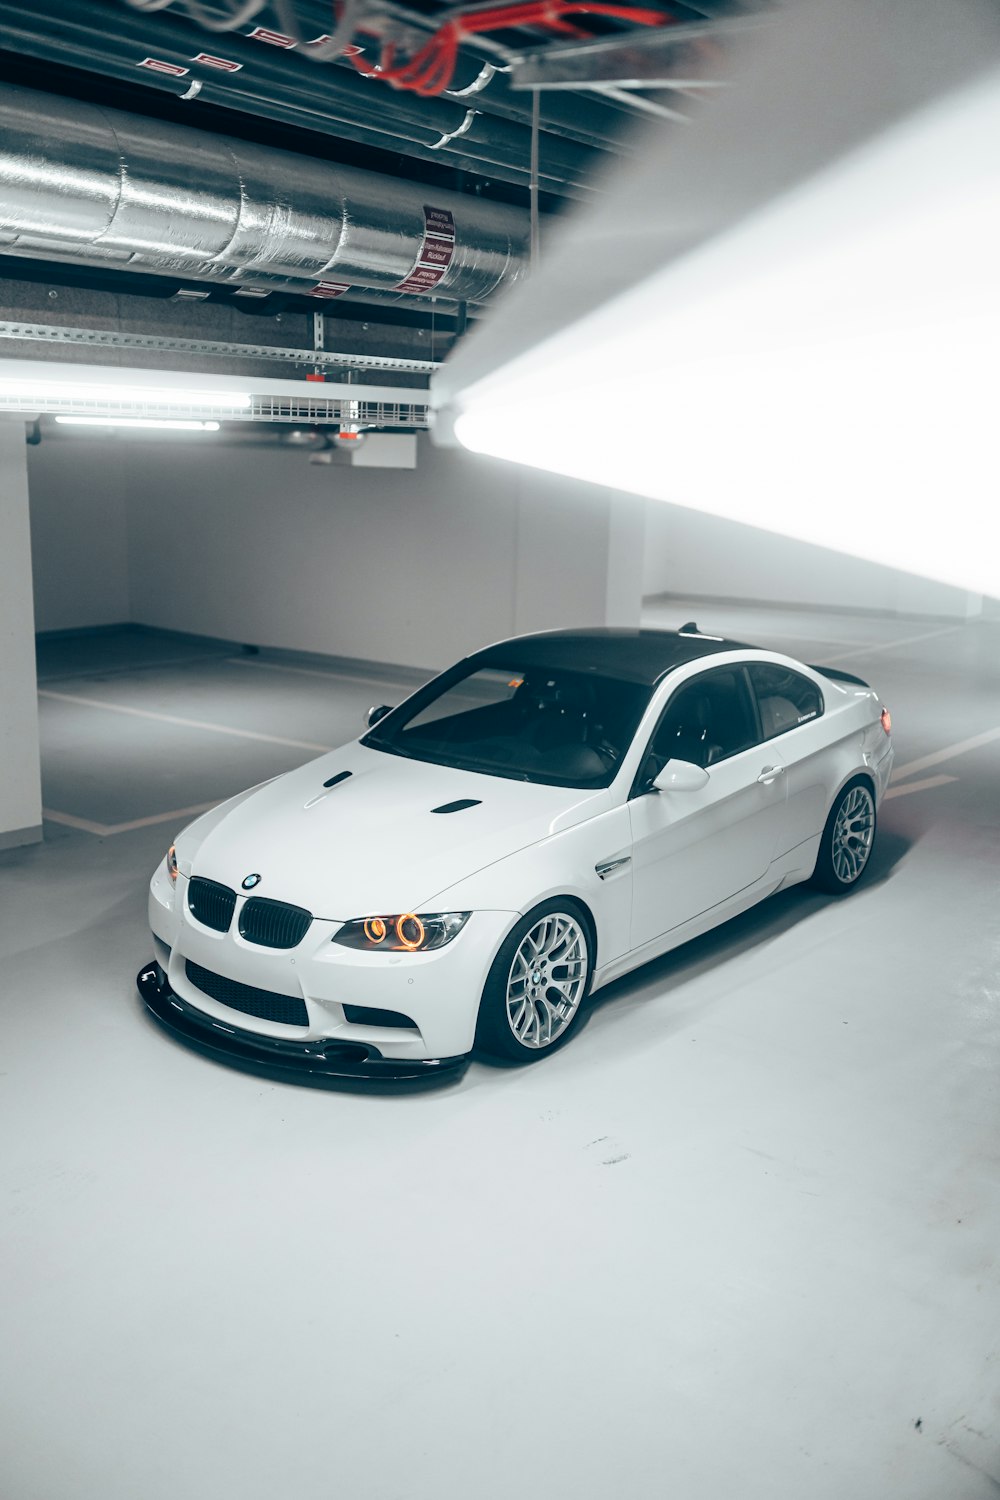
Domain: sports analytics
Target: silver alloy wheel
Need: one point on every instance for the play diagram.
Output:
(547, 980)
(853, 833)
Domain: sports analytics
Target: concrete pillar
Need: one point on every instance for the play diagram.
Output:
(20, 773)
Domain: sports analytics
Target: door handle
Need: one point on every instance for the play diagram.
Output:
(769, 773)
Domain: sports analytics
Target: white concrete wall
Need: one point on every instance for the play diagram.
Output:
(20, 785)
(78, 533)
(691, 554)
(260, 546)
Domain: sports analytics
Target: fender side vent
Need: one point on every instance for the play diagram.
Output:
(340, 776)
(459, 806)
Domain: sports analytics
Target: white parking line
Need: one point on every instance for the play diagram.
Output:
(918, 786)
(938, 757)
(911, 640)
(277, 666)
(105, 830)
(146, 713)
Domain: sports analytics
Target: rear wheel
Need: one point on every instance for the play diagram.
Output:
(537, 984)
(848, 838)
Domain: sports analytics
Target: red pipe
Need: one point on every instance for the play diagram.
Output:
(431, 70)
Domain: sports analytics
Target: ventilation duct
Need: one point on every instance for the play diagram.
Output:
(98, 187)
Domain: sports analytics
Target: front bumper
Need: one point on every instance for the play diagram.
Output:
(319, 1062)
(438, 991)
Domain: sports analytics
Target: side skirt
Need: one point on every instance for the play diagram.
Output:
(793, 867)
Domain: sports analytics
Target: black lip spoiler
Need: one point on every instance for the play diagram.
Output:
(838, 676)
(318, 1063)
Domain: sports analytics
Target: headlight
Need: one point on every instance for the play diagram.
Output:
(402, 934)
(171, 863)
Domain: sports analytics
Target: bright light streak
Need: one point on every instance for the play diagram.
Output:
(825, 370)
(171, 424)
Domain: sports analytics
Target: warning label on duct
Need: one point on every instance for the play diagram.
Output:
(436, 251)
(330, 289)
(348, 50)
(272, 38)
(157, 65)
(223, 64)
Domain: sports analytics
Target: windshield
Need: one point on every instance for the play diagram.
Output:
(528, 723)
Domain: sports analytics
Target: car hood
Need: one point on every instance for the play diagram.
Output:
(373, 842)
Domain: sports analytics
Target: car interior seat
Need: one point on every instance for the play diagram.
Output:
(559, 713)
(693, 738)
(777, 714)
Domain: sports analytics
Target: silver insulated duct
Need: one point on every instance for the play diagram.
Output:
(98, 187)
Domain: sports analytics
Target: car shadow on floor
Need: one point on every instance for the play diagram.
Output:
(751, 930)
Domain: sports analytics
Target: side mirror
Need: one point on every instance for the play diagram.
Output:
(374, 714)
(681, 776)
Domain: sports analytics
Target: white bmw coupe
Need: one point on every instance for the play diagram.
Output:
(546, 815)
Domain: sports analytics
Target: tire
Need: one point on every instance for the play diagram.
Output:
(521, 1021)
(848, 839)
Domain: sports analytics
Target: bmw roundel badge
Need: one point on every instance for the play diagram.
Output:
(250, 882)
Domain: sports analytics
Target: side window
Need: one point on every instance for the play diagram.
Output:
(785, 698)
(705, 721)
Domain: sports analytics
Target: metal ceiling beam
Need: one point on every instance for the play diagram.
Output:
(671, 57)
(106, 338)
(109, 39)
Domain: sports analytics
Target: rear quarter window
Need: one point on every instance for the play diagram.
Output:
(785, 698)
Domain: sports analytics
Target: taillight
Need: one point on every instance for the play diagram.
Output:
(887, 721)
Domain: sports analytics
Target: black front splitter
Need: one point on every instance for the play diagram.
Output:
(318, 1062)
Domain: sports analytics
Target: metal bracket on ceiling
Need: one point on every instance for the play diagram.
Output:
(453, 135)
(477, 85)
(681, 57)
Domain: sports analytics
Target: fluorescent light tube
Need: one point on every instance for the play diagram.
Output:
(171, 424)
(131, 394)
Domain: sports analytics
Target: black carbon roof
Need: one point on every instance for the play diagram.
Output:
(610, 651)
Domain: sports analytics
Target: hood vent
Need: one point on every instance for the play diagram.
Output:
(340, 776)
(459, 806)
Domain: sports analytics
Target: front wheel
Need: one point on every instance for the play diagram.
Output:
(537, 984)
(846, 845)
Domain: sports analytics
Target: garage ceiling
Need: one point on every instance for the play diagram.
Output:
(439, 99)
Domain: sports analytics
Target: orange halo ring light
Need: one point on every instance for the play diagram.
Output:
(410, 943)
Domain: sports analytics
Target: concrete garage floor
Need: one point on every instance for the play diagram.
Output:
(738, 1240)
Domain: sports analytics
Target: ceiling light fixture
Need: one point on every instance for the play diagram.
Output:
(27, 387)
(133, 393)
(170, 424)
